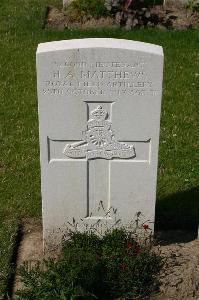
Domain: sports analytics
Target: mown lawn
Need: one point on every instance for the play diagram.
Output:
(177, 194)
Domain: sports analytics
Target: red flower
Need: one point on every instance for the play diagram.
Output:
(129, 245)
(137, 250)
(123, 266)
(146, 226)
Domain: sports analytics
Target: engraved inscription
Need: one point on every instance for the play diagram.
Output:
(99, 78)
(99, 140)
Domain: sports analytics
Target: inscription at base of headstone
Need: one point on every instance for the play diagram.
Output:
(99, 119)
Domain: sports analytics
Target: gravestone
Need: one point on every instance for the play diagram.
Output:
(66, 2)
(99, 116)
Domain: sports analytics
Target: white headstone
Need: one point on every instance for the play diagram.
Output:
(66, 2)
(99, 119)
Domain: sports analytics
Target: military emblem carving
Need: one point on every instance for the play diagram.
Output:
(99, 140)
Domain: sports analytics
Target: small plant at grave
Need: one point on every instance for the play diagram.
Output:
(78, 10)
(93, 266)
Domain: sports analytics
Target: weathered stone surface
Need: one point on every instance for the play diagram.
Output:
(99, 114)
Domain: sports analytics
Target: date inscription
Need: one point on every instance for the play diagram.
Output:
(74, 78)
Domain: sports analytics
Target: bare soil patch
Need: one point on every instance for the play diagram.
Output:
(31, 247)
(179, 279)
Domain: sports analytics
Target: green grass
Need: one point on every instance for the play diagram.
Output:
(20, 32)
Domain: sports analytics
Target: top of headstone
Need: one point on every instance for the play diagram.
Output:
(100, 43)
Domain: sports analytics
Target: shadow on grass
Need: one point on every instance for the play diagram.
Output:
(177, 216)
(13, 263)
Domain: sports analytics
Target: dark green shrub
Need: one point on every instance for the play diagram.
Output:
(77, 10)
(93, 267)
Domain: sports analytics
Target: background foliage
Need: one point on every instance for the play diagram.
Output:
(79, 9)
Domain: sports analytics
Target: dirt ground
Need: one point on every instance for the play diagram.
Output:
(180, 276)
(179, 279)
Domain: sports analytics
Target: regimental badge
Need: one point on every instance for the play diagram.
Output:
(99, 140)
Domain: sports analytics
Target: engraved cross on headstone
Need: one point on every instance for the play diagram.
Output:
(100, 148)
